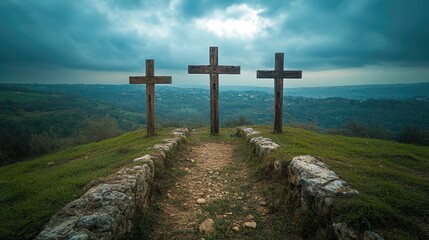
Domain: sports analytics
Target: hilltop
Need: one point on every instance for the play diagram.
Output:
(391, 177)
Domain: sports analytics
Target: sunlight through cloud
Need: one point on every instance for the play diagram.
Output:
(237, 21)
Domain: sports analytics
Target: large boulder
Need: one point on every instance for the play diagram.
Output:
(316, 185)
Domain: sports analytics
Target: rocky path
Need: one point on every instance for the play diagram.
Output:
(215, 199)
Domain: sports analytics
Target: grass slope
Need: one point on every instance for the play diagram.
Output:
(31, 191)
(392, 178)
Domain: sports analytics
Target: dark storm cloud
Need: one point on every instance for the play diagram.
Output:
(118, 35)
(358, 33)
(60, 33)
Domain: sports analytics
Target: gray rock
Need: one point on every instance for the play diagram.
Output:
(99, 222)
(181, 132)
(82, 236)
(316, 178)
(263, 146)
(246, 132)
(344, 232)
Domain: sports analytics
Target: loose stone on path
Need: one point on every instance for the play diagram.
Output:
(215, 198)
(251, 224)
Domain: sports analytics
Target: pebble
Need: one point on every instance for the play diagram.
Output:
(236, 228)
(201, 201)
(250, 217)
(251, 224)
(263, 203)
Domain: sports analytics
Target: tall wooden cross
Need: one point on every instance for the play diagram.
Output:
(150, 80)
(214, 70)
(278, 74)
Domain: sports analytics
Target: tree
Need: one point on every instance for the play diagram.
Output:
(412, 134)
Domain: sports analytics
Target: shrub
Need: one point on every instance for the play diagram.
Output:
(240, 121)
(98, 129)
(45, 142)
(412, 134)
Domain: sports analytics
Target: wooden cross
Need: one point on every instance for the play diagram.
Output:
(150, 80)
(214, 70)
(278, 74)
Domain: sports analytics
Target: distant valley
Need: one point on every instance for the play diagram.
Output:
(380, 91)
(37, 118)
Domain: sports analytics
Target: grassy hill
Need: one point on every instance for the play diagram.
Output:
(392, 178)
(31, 191)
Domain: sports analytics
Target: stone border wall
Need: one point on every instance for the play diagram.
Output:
(106, 210)
(261, 146)
(313, 189)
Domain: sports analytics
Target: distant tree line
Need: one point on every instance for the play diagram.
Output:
(408, 134)
(17, 143)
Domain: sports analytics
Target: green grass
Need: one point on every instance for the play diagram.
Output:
(31, 191)
(392, 178)
(21, 97)
(203, 135)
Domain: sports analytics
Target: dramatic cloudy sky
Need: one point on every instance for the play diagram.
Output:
(334, 42)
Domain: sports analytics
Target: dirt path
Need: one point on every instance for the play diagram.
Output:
(215, 184)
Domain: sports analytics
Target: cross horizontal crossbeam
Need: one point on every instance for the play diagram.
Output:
(208, 69)
(279, 74)
(149, 79)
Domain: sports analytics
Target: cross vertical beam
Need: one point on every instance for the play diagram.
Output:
(278, 74)
(150, 101)
(214, 70)
(150, 80)
(278, 94)
(214, 93)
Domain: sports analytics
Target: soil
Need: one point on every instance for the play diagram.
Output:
(215, 183)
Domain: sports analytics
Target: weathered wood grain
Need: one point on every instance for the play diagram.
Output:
(278, 74)
(214, 70)
(282, 74)
(194, 69)
(150, 80)
(150, 109)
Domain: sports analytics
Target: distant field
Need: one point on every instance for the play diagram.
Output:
(392, 178)
(21, 97)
